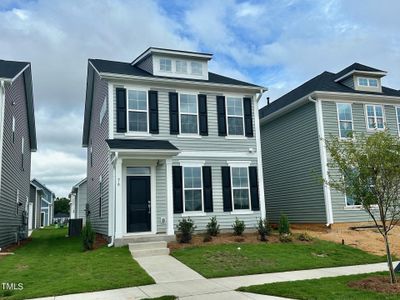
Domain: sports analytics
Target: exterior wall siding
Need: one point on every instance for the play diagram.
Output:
(100, 167)
(292, 167)
(147, 65)
(81, 201)
(341, 213)
(13, 176)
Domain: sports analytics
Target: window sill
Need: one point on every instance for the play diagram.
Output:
(242, 212)
(137, 134)
(236, 137)
(189, 136)
(193, 214)
(375, 129)
(358, 207)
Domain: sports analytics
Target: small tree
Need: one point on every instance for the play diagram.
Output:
(88, 236)
(213, 227)
(186, 228)
(367, 169)
(284, 225)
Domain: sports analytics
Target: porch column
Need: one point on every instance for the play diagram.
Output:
(118, 199)
(170, 205)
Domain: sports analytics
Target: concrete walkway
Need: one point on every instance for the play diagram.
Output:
(174, 278)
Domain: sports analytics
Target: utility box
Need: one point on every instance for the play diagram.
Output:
(75, 227)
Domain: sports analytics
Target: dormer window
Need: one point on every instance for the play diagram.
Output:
(165, 64)
(196, 68)
(367, 82)
(181, 66)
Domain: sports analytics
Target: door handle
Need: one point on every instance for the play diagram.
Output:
(149, 206)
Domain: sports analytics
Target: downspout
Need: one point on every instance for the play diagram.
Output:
(260, 169)
(113, 202)
(324, 160)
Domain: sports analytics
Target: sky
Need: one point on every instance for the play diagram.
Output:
(277, 44)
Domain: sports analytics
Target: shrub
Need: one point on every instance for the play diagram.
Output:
(305, 237)
(213, 227)
(186, 228)
(284, 226)
(88, 236)
(238, 227)
(285, 238)
(263, 228)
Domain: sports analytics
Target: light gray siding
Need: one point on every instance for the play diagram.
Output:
(81, 199)
(349, 82)
(147, 65)
(341, 213)
(14, 177)
(292, 167)
(100, 157)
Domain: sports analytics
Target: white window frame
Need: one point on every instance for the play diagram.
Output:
(189, 164)
(338, 119)
(383, 117)
(397, 108)
(358, 206)
(13, 129)
(103, 110)
(181, 62)
(191, 114)
(234, 116)
(192, 69)
(137, 110)
(161, 64)
(246, 165)
(17, 208)
(368, 82)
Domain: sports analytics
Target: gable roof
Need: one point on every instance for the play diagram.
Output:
(10, 69)
(357, 67)
(41, 186)
(152, 50)
(324, 82)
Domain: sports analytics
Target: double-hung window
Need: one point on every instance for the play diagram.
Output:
(165, 64)
(345, 119)
(192, 189)
(137, 111)
(188, 114)
(367, 82)
(375, 118)
(398, 118)
(240, 187)
(181, 66)
(235, 119)
(196, 67)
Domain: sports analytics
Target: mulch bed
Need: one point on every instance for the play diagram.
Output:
(378, 284)
(100, 241)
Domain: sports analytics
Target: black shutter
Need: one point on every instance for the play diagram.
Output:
(248, 117)
(173, 113)
(121, 109)
(207, 189)
(226, 188)
(202, 102)
(255, 202)
(153, 112)
(221, 115)
(177, 189)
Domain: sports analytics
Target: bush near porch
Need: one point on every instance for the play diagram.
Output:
(52, 264)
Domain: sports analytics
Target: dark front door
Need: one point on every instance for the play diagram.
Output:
(138, 204)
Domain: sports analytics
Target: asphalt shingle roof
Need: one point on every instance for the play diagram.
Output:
(140, 144)
(9, 69)
(324, 82)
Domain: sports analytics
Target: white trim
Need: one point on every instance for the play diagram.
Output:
(375, 117)
(193, 214)
(192, 164)
(170, 205)
(151, 50)
(188, 134)
(110, 111)
(360, 72)
(234, 116)
(137, 89)
(240, 210)
(239, 164)
(220, 154)
(368, 82)
(338, 119)
(119, 231)
(397, 109)
(137, 134)
(20, 72)
(324, 162)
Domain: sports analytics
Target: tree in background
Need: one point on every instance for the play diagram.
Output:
(367, 169)
(61, 205)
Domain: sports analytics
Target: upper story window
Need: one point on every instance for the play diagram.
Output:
(22, 152)
(188, 113)
(375, 119)
(197, 68)
(17, 205)
(165, 64)
(367, 82)
(13, 129)
(240, 188)
(181, 66)
(398, 118)
(193, 189)
(137, 111)
(345, 119)
(235, 119)
(103, 110)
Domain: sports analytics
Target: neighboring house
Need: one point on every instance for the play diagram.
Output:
(78, 201)
(34, 211)
(61, 218)
(46, 204)
(167, 140)
(293, 129)
(17, 141)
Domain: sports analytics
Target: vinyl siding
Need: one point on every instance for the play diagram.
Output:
(13, 176)
(292, 167)
(81, 201)
(341, 213)
(97, 136)
(147, 65)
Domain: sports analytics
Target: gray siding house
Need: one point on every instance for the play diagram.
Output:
(34, 211)
(46, 203)
(17, 141)
(293, 129)
(167, 139)
(78, 201)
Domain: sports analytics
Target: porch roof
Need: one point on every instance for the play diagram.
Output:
(130, 144)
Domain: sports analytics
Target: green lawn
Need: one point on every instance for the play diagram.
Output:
(320, 289)
(52, 264)
(226, 260)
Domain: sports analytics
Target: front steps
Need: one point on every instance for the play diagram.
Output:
(144, 249)
(143, 238)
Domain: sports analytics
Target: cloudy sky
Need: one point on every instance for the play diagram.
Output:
(278, 44)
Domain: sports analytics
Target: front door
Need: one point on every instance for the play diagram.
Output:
(138, 204)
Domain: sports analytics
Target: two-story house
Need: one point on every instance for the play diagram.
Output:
(17, 141)
(293, 130)
(45, 203)
(167, 139)
(78, 201)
